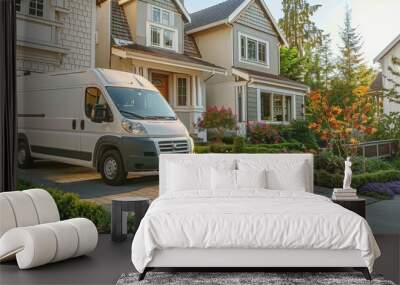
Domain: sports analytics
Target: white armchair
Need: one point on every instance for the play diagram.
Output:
(31, 230)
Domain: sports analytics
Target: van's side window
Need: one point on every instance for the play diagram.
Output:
(93, 97)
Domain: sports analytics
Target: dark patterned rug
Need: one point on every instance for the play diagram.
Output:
(238, 278)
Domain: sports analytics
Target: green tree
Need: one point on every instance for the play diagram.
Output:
(292, 65)
(327, 64)
(298, 26)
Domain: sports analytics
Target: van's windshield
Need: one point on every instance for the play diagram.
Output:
(140, 104)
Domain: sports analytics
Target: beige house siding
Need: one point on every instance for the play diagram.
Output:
(254, 16)
(103, 29)
(75, 33)
(215, 45)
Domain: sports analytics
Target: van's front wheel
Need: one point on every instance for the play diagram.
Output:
(112, 168)
(24, 159)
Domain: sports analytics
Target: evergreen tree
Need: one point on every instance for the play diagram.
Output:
(297, 25)
(350, 59)
(327, 64)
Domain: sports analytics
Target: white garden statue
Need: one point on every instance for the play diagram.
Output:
(347, 174)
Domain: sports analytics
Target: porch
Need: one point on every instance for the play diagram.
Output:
(267, 98)
(179, 78)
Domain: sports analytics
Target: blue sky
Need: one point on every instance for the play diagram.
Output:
(378, 21)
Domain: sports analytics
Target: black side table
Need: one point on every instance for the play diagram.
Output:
(358, 206)
(119, 215)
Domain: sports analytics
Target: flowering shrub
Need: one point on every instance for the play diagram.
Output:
(262, 133)
(218, 121)
(390, 188)
(338, 126)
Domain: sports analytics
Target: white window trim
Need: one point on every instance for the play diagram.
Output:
(162, 29)
(293, 107)
(172, 14)
(247, 61)
(25, 10)
(188, 91)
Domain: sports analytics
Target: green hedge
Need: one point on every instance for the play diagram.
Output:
(240, 147)
(71, 206)
(325, 179)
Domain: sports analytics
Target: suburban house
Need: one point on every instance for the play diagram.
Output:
(243, 37)
(389, 60)
(55, 35)
(147, 37)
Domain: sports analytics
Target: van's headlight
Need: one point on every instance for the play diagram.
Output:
(133, 127)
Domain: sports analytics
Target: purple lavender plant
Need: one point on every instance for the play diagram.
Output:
(389, 188)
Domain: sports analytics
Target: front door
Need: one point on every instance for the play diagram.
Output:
(160, 81)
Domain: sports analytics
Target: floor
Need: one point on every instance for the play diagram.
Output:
(106, 264)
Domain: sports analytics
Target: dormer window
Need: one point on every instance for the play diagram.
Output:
(156, 15)
(160, 30)
(253, 50)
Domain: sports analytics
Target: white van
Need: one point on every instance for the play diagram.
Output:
(114, 121)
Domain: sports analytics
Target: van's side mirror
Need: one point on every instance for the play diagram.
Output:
(99, 113)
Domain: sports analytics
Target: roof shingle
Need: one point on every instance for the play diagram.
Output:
(213, 14)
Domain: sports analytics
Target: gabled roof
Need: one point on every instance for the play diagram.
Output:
(226, 13)
(168, 57)
(377, 84)
(387, 49)
(178, 3)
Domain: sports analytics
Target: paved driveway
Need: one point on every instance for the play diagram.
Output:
(87, 182)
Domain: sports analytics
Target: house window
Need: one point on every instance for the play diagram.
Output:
(265, 100)
(160, 32)
(243, 53)
(275, 107)
(182, 91)
(168, 39)
(156, 15)
(18, 5)
(161, 37)
(155, 36)
(261, 52)
(166, 18)
(36, 8)
(162, 16)
(253, 50)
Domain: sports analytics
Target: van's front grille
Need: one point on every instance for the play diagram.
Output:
(178, 146)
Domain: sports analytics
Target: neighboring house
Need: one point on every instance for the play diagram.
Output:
(390, 54)
(55, 35)
(147, 37)
(242, 36)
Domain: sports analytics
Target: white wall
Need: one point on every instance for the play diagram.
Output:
(387, 75)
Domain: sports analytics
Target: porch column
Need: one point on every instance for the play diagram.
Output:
(199, 93)
(194, 90)
(244, 103)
